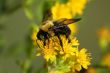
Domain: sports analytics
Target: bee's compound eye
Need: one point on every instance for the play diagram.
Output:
(42, 37)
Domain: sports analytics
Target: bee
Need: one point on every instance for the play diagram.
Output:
(52, 27)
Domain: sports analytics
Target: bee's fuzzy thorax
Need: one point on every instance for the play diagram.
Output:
(47, 25)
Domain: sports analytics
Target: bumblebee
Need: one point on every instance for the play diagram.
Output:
(51, 27)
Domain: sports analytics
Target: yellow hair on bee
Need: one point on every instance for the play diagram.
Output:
(47, 25)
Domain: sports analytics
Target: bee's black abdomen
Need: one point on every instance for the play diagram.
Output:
(61, 30)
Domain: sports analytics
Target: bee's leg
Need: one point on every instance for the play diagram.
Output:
(46, 39)
(60, 40)
(48, 42)
(44, 42)
(67, 37)
(69, 40)
(68, 32)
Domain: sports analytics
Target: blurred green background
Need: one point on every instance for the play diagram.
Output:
(15, 26)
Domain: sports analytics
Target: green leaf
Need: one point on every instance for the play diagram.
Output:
(28, 13)
(42, 70)
(29, 2)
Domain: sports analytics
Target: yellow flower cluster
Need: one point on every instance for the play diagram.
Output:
(104, 36)
(34, 33)
(106, 60)
(68, 10)
(67, 56)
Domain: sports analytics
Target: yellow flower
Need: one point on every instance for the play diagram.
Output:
(77, 6)
(53, 71)
(67, 50)
(61, 11)
(82, 60)
(68, 53)
(34, 33)
(75, 42)
(103, 33)
(104, 37)
(48, 51)
(68, 10)
(49, 54)
(106, 60)
(73, 28)
(33, 37)
(91, 70)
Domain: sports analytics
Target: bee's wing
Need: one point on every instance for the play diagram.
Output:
(66, 21)
(61, 20)
(47, 15)
(69, 21)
